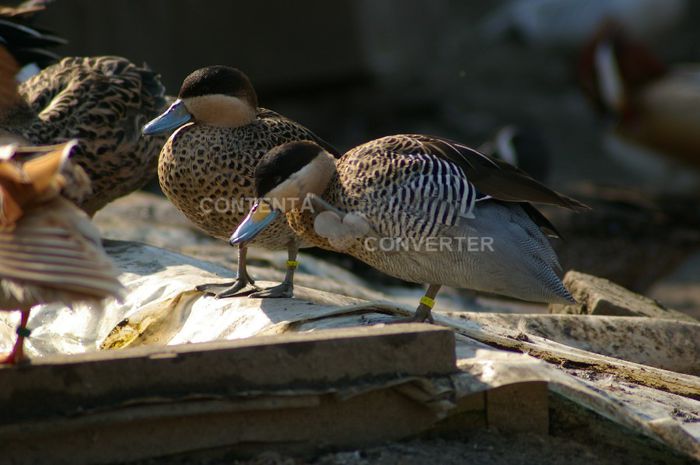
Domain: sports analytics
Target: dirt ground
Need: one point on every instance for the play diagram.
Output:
(484, 447)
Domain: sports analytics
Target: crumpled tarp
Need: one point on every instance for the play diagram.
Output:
(619, 367)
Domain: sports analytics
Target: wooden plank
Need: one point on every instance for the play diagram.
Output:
(62, 385)
(519, 408)
(112, 437)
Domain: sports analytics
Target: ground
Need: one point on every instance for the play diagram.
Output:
(479, 447)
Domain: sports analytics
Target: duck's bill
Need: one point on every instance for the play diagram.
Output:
(260, 216)
(172, 118)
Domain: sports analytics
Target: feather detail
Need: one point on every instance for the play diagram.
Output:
(102, 102)
(494, 177)
(49, 249)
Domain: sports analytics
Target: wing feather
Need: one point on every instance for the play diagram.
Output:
(493, 177)
(49, 249)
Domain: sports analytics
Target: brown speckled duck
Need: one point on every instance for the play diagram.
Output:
(206, 167)
(49, 249)
(103, 103)
(420, 208)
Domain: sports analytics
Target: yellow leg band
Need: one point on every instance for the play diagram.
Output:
(292, 264)
(427, 301)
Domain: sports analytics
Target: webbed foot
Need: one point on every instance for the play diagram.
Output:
(281, 291)
(236, 288)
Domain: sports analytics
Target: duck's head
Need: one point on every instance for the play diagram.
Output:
(613, 65)
(284, 178)
(216, 96)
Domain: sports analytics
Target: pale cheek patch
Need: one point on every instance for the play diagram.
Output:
(311, 179)
(220, 110)
(286, 196)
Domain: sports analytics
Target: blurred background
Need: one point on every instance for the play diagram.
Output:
(354, 70)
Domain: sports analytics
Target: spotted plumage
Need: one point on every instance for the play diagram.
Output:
(102, 102)
(434, 211)
(201, 164)
(206, 167)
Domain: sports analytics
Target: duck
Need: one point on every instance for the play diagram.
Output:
(206, 167)
(50, 252)
(100, 101)
(651, 110)
(421, 208)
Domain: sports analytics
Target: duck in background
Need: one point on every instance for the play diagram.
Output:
(652, 110)
(206, 167)
(420, 208)
(101, 101)
(569, 23)
(49, 249)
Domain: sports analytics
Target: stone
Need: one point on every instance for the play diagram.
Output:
(599, 296)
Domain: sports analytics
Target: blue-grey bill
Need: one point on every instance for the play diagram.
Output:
(171, 119)
(259, 217)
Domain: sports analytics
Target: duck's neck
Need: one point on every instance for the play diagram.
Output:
(322, 170)
(221, 111)
(313, 178)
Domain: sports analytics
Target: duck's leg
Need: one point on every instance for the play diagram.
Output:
(232, 288)
(286, 288)
(427, 302)
(422, 314)
(17, 354)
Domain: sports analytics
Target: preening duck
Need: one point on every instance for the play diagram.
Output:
(49, 249)
(419, 208)
(206, 167)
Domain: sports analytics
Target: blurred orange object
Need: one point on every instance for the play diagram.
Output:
(49, 249)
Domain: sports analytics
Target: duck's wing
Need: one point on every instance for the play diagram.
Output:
(105, 92)
(434, 182)
(491, 177)
(103, 102)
